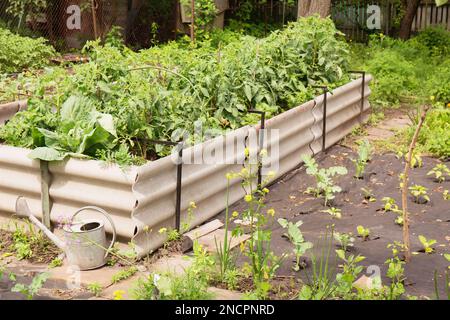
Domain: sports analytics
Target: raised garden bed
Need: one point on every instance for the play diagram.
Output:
(142, 199)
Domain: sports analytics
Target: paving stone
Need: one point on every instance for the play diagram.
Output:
(175, 264)
(222, 294)
(209, 241)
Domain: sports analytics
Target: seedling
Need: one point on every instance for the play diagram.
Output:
(447, 256)
(334, 212)
(427, 244)
(439, 172)
(324, 183)
(389, 204)
(368, 195)
(345, 240)
(296, 237)
(419, 193)
(446, 195)
(363, 232)
(364, 152)
(416, 160)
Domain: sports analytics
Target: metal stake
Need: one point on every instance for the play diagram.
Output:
(261, 141)
(45, 193)
(179, 178)
(363, 88)
(324, 121)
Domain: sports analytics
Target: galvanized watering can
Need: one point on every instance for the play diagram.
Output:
(85, 242)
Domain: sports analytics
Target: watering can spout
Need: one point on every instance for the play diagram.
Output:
(23, 210)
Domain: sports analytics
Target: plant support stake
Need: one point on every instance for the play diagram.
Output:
(261, 141)
(45, 194)
(408, 158)
(179, 145)
(363, 88)
(324, 120)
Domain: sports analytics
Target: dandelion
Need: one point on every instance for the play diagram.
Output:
(248, 198)
(162, 230)
(235, 214)
(265, 190)
(271, 212)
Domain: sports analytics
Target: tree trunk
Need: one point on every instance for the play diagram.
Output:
(406, 24)
(308, 8)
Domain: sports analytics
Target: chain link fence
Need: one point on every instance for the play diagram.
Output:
(70, 23)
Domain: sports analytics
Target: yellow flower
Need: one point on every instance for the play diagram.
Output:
(162, 230)
(244, 172)
(271, 174)
(248, 198)
(146, 229)
(229, 176)
(247, 152)
(235, 214)
(263, 153)
(432, 98)
(265, 190)
(271, 212)
(242, 246)
(192, 204)
(118, 294)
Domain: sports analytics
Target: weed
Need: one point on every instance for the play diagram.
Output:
(31, 290)
(368, 195)
(57, 262)
(124, 274)
(446, 195)
(95, 288)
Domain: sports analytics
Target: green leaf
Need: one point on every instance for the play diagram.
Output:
(441, 2)
(46, 154)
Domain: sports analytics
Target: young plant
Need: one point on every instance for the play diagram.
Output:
(446, 195)
(439, 172)
(95, 288)
(334, 212)
(396, 271)
(29, 291)
(345, 240)
(419, 193)
(350, 272)
(296, 237)
(363, 232)
(325, 186)
(368, 195)
(389, 204)
(427, 244)
(364, 152)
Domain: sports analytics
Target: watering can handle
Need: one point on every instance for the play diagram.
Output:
(107, 215)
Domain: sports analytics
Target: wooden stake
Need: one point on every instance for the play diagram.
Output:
(192, 20)
(406, 240)
(94, 18)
